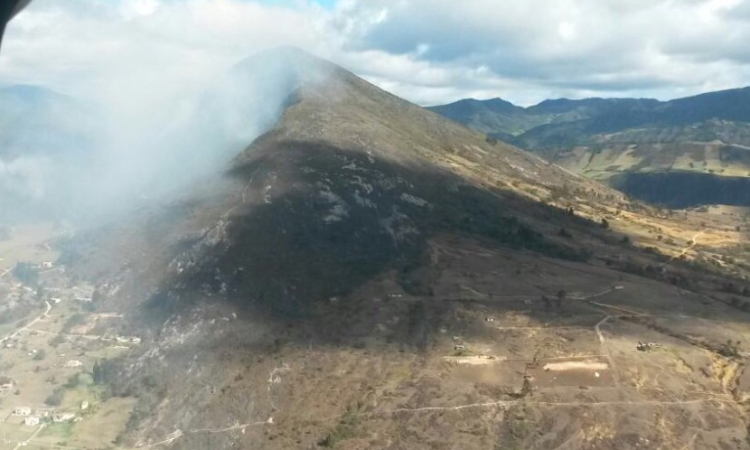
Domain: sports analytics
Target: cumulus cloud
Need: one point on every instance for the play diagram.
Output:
(137, 53)
(576, 48)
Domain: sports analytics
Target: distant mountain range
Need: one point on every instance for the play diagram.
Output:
(705, 135)
(46, 143)
(35, 121)
(500, 118)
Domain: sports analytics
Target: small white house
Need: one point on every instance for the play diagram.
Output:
(31, 421)
(73, 363)
(84, 405)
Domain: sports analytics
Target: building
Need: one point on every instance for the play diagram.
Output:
(73, 363)
(44, 412)
(31, 421)
(128, 340)
(21, 411)
(84, 405)
(63, 417)
(7, 387)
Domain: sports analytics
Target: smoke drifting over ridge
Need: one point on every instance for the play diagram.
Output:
(109, 164)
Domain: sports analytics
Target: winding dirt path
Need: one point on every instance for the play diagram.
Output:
(690, 246)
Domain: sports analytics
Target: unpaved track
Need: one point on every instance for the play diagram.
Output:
(690, 246)
(607, 351)
(28, 441)
(22, 329)
(503, 403)
(92, 337)
(178, 434)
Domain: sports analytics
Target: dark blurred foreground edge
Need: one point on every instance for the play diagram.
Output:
(8, 9)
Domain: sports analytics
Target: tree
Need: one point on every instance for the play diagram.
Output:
(98, 374)
(40, 355)
(26, 273)
(605, 223)
(56, 398)
(561, 295)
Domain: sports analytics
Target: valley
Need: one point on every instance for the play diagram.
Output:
(51, 341)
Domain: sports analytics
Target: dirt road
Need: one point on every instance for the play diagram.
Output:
(690, 246)
(177, 434)
(606, 349)
(22, 329)
(28, 441)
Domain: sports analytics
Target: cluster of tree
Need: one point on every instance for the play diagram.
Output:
(26, 273)
(56, 398)
(732, 288)
(739, 303)
(730, 349)
(558, 299)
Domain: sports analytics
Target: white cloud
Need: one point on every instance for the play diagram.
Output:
(554, 48)
(142, 62)
(142, 53)
(131, 9)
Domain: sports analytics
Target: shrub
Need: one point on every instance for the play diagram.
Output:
(40, 355)
(56, 398)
